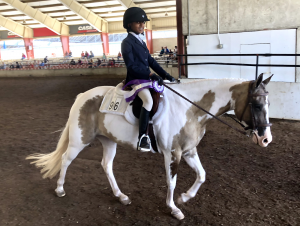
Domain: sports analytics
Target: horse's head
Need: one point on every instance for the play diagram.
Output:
(252, 108)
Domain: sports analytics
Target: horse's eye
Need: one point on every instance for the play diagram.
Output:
(257, 107)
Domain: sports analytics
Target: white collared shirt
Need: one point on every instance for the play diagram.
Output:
(137, 36)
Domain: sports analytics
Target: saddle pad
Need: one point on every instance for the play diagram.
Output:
(114, 102)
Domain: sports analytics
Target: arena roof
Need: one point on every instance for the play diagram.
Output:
(107, 10)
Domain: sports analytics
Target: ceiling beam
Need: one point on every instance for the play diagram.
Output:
(150, 14)
(46, 20)
(86, 14)
(46, 6)
(127, 3)
(87, 2)
(16, 28)
(155, 1)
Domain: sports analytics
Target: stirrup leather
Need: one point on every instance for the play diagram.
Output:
(143, 149)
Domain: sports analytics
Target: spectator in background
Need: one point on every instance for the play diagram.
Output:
(3, 66)
(70, 53)
(79, 62)
(98, 62)
(90, 63)
(42, 64)
(104, 57)
(23, 56)
(11, 66)
(113, 62)
(35, 63)
(31, 66)
(162, 51)
(46, 59)
(166, 50)
(175, 50)
(82, 55)
(119, 56)
(72, 62)
(17, 65)
(91, 54)
(20, 65)
(86, 55)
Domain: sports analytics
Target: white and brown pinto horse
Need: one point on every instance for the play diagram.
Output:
(175, 138)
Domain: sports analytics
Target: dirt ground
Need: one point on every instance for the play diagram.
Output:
(245, 185)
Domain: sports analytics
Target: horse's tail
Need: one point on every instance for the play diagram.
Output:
(51, 163)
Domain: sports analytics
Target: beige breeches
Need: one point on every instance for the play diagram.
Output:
(146, 98)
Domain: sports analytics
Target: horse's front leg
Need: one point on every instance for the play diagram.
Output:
(193, 161)
(171, 165)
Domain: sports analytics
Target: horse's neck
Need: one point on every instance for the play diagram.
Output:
(214, 95)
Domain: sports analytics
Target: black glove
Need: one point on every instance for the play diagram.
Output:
(157, 78)
(170, 78)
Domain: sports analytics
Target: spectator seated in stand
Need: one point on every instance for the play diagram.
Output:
(90, 63)
(119, 56)
(98, 62)
(20, 65)
(91, 55)
(17, 65)
(112, 62)
(70, 53)
(79, 62)
(3, 66)
(87, 55)
(167, 50)
(162, 51)
(31, 66)
(104, 57)
(42, 64)
(72, 62)
(35, 64)
(46, 59)
(82, 55)
(23, 56)
(11, 66)
(104, 63)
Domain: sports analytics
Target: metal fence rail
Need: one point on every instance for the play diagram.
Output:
(238, 64)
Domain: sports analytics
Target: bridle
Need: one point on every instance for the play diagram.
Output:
(255, 126)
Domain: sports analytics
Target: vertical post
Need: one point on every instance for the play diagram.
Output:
(28, 43)
(65, 44)
(179, 66)
(180, 39)
(256, 73)
(149, 40)
(105, 43)
(0, 51)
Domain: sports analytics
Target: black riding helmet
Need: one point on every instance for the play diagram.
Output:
(134, 14)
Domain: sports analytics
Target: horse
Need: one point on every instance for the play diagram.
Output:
(175, 139)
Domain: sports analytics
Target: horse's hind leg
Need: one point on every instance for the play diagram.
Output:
(67, 158)
(109, 152)
(193, 161)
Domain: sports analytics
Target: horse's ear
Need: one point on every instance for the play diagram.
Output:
(259, 80)
(267, 80)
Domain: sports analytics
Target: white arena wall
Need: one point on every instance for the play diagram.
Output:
(249, 27)
(284, 91)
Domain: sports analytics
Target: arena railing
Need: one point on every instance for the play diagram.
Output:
(237, 64)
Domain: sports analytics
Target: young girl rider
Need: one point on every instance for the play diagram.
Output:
(138, 60)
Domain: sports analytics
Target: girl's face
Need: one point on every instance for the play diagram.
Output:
(137, 27)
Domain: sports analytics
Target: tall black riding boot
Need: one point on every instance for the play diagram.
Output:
(144, 143)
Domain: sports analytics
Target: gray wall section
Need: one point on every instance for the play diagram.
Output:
(240, 15)
(101, 72)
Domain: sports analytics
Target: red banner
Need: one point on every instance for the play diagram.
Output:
(40, 32)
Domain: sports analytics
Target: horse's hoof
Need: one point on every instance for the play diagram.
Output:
(60, 193)
(124, 200)
(178, 214)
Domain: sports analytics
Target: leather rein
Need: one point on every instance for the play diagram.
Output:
(250, 96)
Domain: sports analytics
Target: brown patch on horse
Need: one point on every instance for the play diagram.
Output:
(88, 119)
(188, 136)
(224, 109)
(240, 96)
(91, 122)
(176, 156)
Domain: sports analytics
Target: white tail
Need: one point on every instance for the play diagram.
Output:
(51, 163)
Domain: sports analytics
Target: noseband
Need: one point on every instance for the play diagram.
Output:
(255, 125)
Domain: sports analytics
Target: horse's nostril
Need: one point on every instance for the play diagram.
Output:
(265, 140)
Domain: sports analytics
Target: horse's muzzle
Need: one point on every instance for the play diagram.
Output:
(264, 140)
